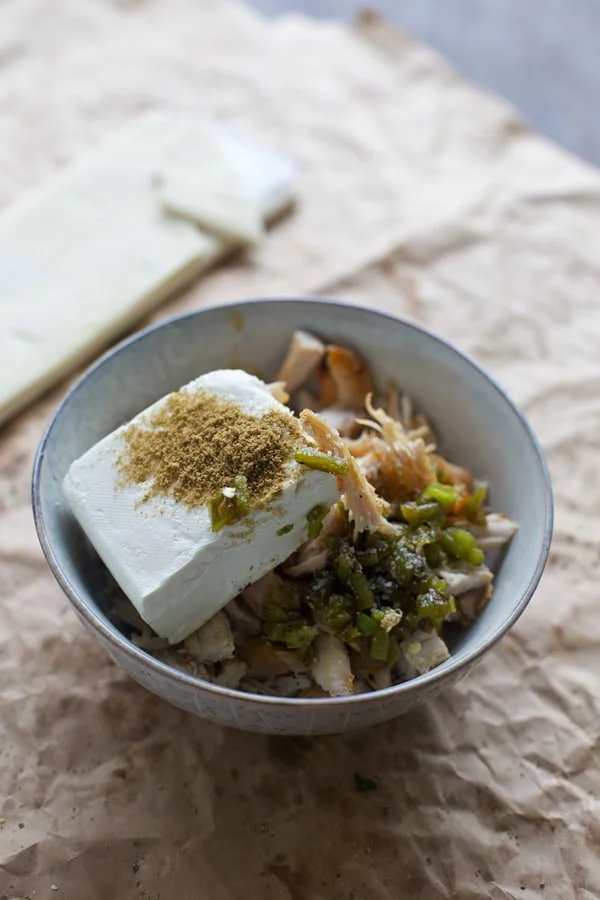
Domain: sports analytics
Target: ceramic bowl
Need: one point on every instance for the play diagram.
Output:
(478, 425)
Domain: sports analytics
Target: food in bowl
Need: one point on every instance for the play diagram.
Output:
(323, 553)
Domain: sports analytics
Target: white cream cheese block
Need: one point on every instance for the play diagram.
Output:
(174, 568)
(83, 257)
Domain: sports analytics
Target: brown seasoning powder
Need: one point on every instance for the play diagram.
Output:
(196, 443)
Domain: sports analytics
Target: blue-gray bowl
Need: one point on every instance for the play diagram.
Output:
(478, 424)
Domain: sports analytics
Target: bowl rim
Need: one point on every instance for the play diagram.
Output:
(140, 657)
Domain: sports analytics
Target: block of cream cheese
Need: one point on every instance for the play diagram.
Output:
(85, 256)
(163, 553)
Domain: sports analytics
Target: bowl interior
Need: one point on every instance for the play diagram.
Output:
(477, 425)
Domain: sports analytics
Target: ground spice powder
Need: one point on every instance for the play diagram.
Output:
(196, 443)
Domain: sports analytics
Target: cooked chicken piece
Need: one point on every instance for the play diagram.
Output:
(342, 420)
(305, 400)
(213, 642)
(472, 602)
(232, 672)
(314, 692)
(452, 474)
(362, 445)
(263, 591)
(147, 640)
(379, 678)
(333, 524)
(267, 660)
(277, 389)
(405, 467)
(241, 617)
(311, 557)
(463, 578)
(327, 387)
(369, 466)
(304, 354)
(180, 659)
(331, 666)
(498, 531)
(351, 377)
(365, 507)
(422, 652)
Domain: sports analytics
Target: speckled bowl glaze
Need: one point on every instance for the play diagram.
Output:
(479, 426)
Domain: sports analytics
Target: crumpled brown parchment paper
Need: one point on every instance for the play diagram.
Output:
(420, 195)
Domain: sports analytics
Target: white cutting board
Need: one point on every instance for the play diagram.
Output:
(87, 255)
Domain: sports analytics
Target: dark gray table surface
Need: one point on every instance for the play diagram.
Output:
(541, 55)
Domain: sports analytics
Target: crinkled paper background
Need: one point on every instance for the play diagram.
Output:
(419, 195)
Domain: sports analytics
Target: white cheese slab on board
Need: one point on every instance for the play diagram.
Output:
(219, 206)
(85, 256)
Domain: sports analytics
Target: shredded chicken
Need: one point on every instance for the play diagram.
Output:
(497, 531)
(463, 578)
(213, 642)
(422, 652)
(405, 467)
(351, 377)
(452, 474)
(305, 400)
(257, 595)
(267, 660)
(243, 621)
(366, 509)
(231, 673)
(310, 558)
(180, 659)
(333, 523)
(379, 678)
(278, 390)
(314, 692)
(304, 354)
(331, 666)
(342, 420)
(472, 602)
(327, 388)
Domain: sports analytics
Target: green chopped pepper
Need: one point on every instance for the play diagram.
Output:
(315, 459)
(471, 507)
(368, 557)
(417, 513)
(315, 520)
(362, 590)
(394, 652)
(339, 612)
(230, 504)
(366, 625)
(380, 645)
(350, 634)
(435, 607)
(406, 565)
(295, 635)
(443, 494)
(462, 545)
